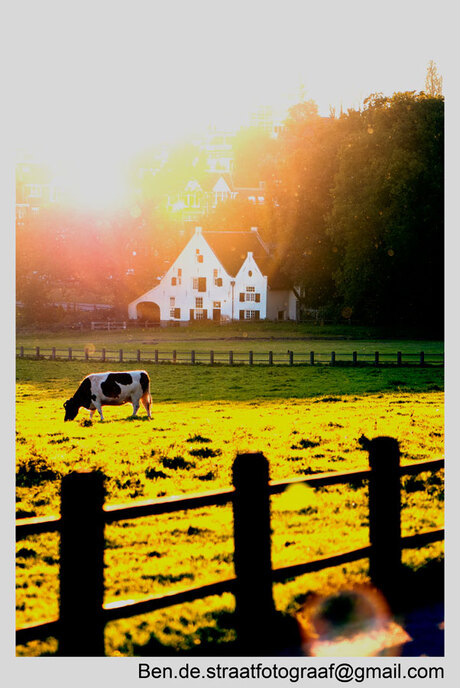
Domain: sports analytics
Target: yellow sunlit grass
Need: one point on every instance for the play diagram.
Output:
(190, 447)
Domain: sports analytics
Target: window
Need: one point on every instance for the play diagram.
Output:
(35, 190)
(200, 314)
(215, 272)
(199, 302)
(199, 258)
(173, 281)
(199, 283)
(250, 295)
(218, 281)
(179, 272)
(250, 273)
(216, 304)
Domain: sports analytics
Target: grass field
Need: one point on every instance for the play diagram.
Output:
(304, 419)
(258, 337)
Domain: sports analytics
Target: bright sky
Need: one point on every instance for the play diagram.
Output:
(93, 81)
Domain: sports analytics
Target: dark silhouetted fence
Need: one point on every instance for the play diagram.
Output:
(83, 615)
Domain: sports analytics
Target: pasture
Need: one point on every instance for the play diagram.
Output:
(304, 420)
(258, 337)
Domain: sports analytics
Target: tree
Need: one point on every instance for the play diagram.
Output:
(299, 193)
(387, 212)
(433, 80)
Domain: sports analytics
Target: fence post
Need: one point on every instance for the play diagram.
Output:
(121, 355)
(422, 358)
(138, 356)
(174, 356)
(252, 556)
(332, 358)
(399, 358)
(291, 358)
(384, 514)
(70, 353)
(86, 353)
(376, 358)
(251, 358)
(156, 355)
(21, 354)
(82, 565)
(37, 352)
(230, 357)
(355, 357)
(103, 354)
(211, 357)
(53, 353)
(270, 358)
(192, 357)
(312, 358)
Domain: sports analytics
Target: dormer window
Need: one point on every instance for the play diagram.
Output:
(199, 258)
(250, 273)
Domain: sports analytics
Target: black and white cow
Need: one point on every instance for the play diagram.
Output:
(103, 389)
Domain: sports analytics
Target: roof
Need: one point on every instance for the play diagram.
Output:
(232, 247)
(210, 179)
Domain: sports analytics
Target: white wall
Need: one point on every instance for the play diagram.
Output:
(281, 300)
(197, 260)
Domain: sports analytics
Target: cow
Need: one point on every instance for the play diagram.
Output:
(103, 389)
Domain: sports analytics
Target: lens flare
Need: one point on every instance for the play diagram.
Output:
(350, 623)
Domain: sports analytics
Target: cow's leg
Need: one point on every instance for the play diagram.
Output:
(91, 413)
(146, 401)
(98, 406)
(135, 403)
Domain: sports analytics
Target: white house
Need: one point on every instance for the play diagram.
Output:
(220, 276)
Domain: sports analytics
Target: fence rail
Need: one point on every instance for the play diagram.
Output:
(231, 358)
(83, 615)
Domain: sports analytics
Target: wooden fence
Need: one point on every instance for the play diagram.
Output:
(82, 612)
(233, 357)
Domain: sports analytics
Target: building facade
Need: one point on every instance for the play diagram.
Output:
(220, 276)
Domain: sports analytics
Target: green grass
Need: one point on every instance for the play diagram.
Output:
(304, 419)
(258, 337)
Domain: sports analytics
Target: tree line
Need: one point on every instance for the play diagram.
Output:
(353, 211)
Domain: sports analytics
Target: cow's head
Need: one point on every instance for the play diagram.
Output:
(71, 409)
